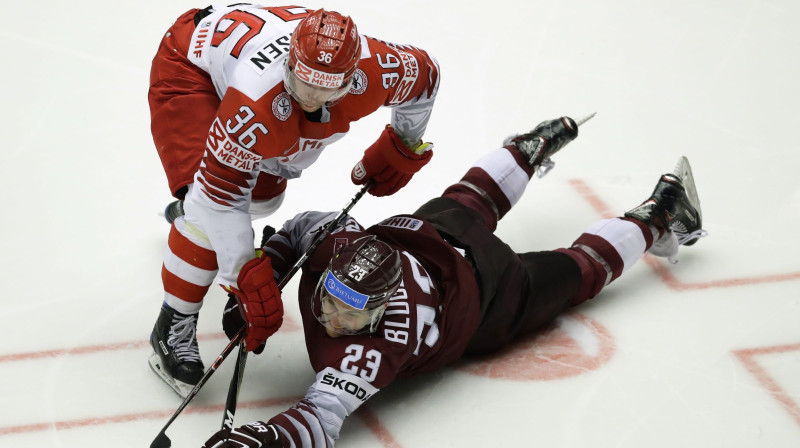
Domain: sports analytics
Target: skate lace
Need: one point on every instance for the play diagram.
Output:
(182, 338)
(686, 237)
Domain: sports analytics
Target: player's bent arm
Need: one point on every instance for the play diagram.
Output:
(316, 420)
(410, 117)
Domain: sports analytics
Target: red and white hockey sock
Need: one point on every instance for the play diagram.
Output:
(493, 185)
(189, 269)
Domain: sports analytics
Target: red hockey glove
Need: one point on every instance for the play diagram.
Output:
(390, 163)
(254, 435)
(233, 320)
(259, 300)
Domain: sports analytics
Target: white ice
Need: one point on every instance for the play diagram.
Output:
(702, 353)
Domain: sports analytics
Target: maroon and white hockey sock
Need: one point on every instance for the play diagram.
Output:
(606, 250)
(493, 185)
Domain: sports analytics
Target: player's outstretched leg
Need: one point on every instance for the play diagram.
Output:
(674, 207)
(176, 357)
(496, 182)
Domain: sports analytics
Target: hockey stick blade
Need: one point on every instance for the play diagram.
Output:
(161, 441)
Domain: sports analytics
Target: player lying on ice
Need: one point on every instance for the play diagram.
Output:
(416, 292)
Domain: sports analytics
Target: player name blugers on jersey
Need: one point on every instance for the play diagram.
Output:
(228, 152)
(400, 222)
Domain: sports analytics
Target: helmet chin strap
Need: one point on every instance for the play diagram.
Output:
(376, 319)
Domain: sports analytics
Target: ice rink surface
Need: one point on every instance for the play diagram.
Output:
(702, 353)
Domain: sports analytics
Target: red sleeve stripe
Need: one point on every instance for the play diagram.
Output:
(225, 189)
(433, 77)
(222, 172)
(207, 191)
(213, 188)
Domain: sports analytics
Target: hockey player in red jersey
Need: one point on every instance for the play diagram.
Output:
(243, 98)
(415, 292)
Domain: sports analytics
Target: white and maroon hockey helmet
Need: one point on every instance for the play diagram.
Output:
(323, 55)
(352, 293)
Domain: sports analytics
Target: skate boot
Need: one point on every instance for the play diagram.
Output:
(545, 140)
(173, 210)
(674, 207)
(176, 358)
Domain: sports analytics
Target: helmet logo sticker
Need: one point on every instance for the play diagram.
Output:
(282, 106)
(360, 82)
(318, 78)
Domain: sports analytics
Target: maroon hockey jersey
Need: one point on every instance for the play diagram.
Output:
(427, 323)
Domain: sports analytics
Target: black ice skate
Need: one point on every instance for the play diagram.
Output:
(546, 139)
(176, 358)
(675, 207)
(173, 210)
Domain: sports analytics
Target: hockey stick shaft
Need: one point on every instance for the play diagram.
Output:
(241, 361)
(236, 380)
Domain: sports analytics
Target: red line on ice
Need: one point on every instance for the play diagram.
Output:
(748, 358)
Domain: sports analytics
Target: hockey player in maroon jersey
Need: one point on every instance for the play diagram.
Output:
(415, 292)
(243, 98)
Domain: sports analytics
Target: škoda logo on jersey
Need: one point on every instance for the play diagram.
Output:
(348, 386)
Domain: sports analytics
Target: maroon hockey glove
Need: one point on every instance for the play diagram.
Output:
(390, 163)
(254, 435)
(260, 301)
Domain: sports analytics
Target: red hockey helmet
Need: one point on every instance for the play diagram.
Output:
(360, 279)
(323, 56)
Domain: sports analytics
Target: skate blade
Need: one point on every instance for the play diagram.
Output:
(179, 387)
(582, 120)
(684, 172)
